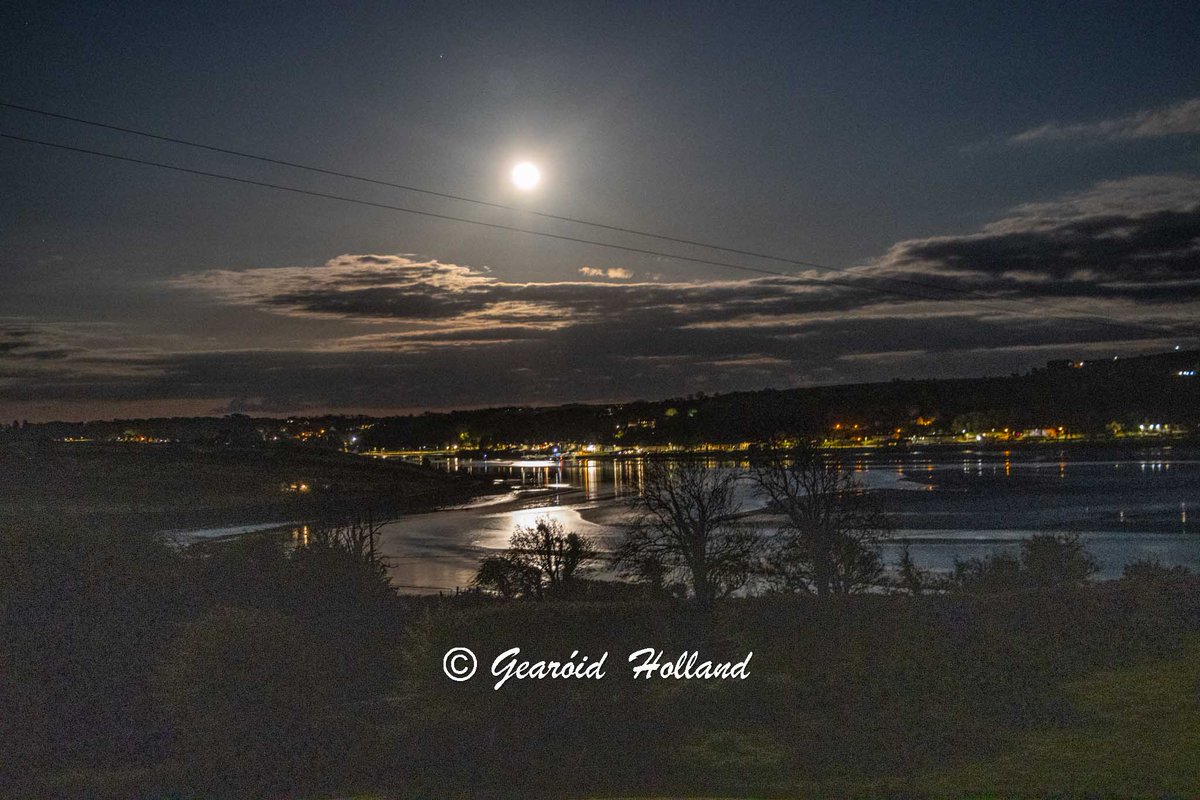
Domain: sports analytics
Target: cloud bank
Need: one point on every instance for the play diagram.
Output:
(1112, 269)
(1180, 119)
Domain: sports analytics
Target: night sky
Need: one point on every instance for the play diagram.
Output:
(996, 184)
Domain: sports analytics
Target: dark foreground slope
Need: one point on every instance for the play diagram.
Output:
(176, 486)
(286, 683)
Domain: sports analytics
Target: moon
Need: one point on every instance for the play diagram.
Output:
(526, 176)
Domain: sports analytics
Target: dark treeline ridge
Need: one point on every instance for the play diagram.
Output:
(1082, 397)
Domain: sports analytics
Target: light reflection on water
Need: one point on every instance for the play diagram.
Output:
(967, 504)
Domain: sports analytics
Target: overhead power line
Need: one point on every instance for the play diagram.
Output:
(405, 187)
(820, 279)
(796, 262)
(417, 211)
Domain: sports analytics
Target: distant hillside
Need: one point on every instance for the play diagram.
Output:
(1081, 397)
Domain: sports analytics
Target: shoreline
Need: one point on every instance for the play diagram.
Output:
(507, 457)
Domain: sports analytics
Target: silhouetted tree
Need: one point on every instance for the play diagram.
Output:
(828, 543)
(651, 572)
(1057, 560)
(997, 573)
(1154, 571)
(355, 533)
(1044, 560)
(507, 578)
(542, 559)
(687, 525)
(909, 577)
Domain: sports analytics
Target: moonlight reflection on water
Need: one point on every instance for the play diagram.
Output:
(947, 505)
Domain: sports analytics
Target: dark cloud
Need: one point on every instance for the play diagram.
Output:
(418, 333)
(591, 361)
(1137, 240)
(28, 343)
(381, 302)
(431, 293)
(1160, 246)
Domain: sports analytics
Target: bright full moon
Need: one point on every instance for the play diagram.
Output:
(526, 176)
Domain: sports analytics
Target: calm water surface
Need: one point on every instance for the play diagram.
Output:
(1126, 505)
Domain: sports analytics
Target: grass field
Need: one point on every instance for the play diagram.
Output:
(1137, 734)
(1090, 693)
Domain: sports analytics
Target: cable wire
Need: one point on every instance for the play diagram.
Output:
(819, 279)
(965, 292)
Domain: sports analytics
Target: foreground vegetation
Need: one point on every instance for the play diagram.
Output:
(178, 486)
(133, 669)
(1137, 734)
